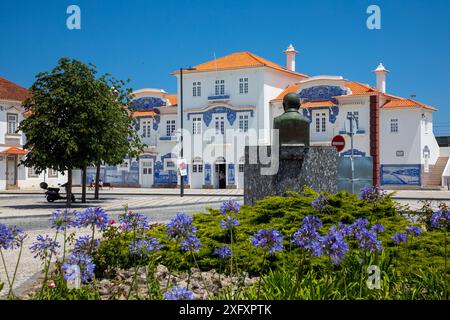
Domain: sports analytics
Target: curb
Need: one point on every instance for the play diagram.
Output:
(36, 216)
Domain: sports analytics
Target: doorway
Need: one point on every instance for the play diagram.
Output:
(222, 176)
(11, 172)
(147, 173)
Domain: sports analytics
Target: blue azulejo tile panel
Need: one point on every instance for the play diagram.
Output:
(399, 174)
(231, 174)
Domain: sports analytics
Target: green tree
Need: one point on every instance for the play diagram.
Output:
(76, 120)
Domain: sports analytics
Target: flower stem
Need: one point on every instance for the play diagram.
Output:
(6, 270)
(11, 293)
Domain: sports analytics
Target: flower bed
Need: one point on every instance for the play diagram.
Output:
(302, 246)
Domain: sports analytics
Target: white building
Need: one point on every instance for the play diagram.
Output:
(226, 99)
(13, 175)
(230, 102)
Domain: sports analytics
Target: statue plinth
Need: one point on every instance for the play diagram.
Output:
(315, 167)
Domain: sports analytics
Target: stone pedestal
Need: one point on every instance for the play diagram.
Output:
(315, 167)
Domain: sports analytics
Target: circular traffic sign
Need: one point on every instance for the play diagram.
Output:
(338, 142)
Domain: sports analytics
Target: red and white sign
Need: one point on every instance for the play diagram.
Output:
(338, 142)
(182, 167)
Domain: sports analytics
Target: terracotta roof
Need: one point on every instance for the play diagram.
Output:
(14, 150)
(315, 104)
(11, 91)
(396, 102)
(359, 89)
(239, 60)
(173, 98)
(143, 113)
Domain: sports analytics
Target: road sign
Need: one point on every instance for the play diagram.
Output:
(182, 167)
(338, 142)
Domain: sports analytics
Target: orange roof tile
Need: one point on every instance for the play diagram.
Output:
(396, 102)
(14, 150)
(360, 89)
(289, 89)
(173, 98)
(239, 60)
(11, 91)
(144, 113)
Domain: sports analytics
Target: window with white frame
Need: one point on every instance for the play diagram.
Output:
(356, 116)
(220, 124)
(220, 88)
(394, 125)
(147, 167)
(196, 89)
(241, 167)
(321, 122)
(196, 125)
(170, 128)
(32, 173)
(52, 173)
(170, 164)
(243, 85)
(146, 128)
(243, 123)
(13, 122)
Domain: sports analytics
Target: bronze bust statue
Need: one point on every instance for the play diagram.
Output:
(292, 125)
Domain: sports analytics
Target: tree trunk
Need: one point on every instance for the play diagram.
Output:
(69, 188)
(83, 186)
(97, 178)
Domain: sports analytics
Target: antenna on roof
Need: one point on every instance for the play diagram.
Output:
(412, 96)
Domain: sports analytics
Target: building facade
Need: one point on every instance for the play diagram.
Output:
(230, 102)
(12, 174)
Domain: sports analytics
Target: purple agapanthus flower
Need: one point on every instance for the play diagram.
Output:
(63, 219)
(177, 293)
(399, 238)
(413, 231)
(223, 252)
(378, 228)
(191, 243)
(309, 239)
(43, 247)
(342, 229)
(11, 237)
(144, 247)
(181, 226)
(312, 221)
(229, 222)
(84, 262)
(230, 207)
(368, 241)
(320, 202)
(334, 246)
(372, 194)
(440, 219)
(84, 244)
(92, 217)
(269, 240)
(134, 221)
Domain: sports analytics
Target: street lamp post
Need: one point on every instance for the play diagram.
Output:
(352, 118)
(181, 125)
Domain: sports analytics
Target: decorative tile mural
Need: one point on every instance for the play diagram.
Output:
(395, 174)
(231, 114)
(320, 93)
(147, 103)
(231, 174)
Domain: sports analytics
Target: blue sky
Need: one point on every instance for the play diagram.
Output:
(145, 40)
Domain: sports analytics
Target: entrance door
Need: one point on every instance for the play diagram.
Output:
(11, 172)
(222, 176)
(147, 174)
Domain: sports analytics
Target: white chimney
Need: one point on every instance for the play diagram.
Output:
(381, 73)
(290, 57)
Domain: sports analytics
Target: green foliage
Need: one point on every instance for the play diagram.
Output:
(414, 270)
(61, 292)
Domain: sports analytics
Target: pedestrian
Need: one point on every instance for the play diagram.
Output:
(100, 183)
